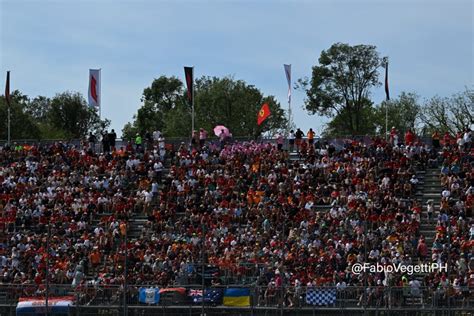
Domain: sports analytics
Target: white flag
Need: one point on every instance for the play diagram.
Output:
(288, 78)
(94, 88)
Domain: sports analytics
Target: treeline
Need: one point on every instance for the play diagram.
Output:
(217, 101)
(339, 87)
(65, 116)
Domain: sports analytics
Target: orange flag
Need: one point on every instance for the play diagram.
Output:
(263, 114)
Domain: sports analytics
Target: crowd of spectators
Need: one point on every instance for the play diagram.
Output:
(65, 213)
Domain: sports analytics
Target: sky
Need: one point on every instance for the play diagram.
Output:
(49, 45)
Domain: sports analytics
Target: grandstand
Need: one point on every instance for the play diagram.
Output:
(180, 229)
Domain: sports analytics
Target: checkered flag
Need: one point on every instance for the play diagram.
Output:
(321, 297)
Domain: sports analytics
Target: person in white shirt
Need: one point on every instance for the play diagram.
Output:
(291, 140)
(156, 135)
(446, 193)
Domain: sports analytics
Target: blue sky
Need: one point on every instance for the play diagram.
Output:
(50, 45)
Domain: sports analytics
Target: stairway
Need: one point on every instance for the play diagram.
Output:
(431, 191)
(429, 188)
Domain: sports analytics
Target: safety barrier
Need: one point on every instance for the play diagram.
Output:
(248, 297)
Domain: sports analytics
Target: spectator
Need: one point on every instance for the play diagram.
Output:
(310, 135)
(112, 137)
(202, 137)
(291, 140)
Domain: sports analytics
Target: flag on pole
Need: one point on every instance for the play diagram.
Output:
(188, 72)
(7, 89)
(94, 88)
(288, 78)
(263, 114)
(387, 93)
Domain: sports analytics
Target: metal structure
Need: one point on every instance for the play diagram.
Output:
(107, 300)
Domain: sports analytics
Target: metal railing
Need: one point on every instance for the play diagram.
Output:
(260, 297)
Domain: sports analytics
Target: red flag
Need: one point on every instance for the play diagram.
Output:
(263, 114)
(7, 89)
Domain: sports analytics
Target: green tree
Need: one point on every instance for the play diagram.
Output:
(23, 126)
(38, 108)
(403, 113)
(340, 125)
(225, 101)
(129, 131)
(340, 85)
(449, 114)
(164, 95)
(70, 114)
(235, 104)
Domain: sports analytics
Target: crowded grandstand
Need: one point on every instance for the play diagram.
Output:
(286, 220)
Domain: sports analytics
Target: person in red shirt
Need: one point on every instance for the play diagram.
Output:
(447, 139)
(409, 137)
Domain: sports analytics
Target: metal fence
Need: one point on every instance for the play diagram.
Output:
(112, 300)
(175, 141)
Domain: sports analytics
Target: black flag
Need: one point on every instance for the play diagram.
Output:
(188, 72)
(7, 89)
(387, 93)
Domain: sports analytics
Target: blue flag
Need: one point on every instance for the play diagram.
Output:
(149, 295)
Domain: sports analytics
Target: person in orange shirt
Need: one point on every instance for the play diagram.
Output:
(123, 228)
(310, 136)
(94, 258)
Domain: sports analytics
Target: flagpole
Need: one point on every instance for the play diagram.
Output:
(385, 62)
(287, 68)
(9, 140)
(100, 93)
(192, 104)
(8, 103)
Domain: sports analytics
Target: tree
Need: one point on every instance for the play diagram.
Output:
(129, 131)
(340, 125)
(235, 104)
(70, 114)
(38, 108)
(225, 101)
(403, 113)
(23, 126)
(164, 95)
(340, 85)
(449, 114)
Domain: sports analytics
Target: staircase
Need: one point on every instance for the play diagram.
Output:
(429, 188)
(431, 191)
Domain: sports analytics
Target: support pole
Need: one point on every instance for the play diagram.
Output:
(9, 134)
(386, 119)
(125, 309)
(47, 270)
(203, 268)
(192, 102)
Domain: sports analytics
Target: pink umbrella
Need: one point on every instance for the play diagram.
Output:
(218, 130)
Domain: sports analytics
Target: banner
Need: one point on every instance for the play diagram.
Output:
(94, 88)
(288, 78)
(189, 74)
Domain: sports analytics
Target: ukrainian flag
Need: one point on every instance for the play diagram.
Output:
(237, 297)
